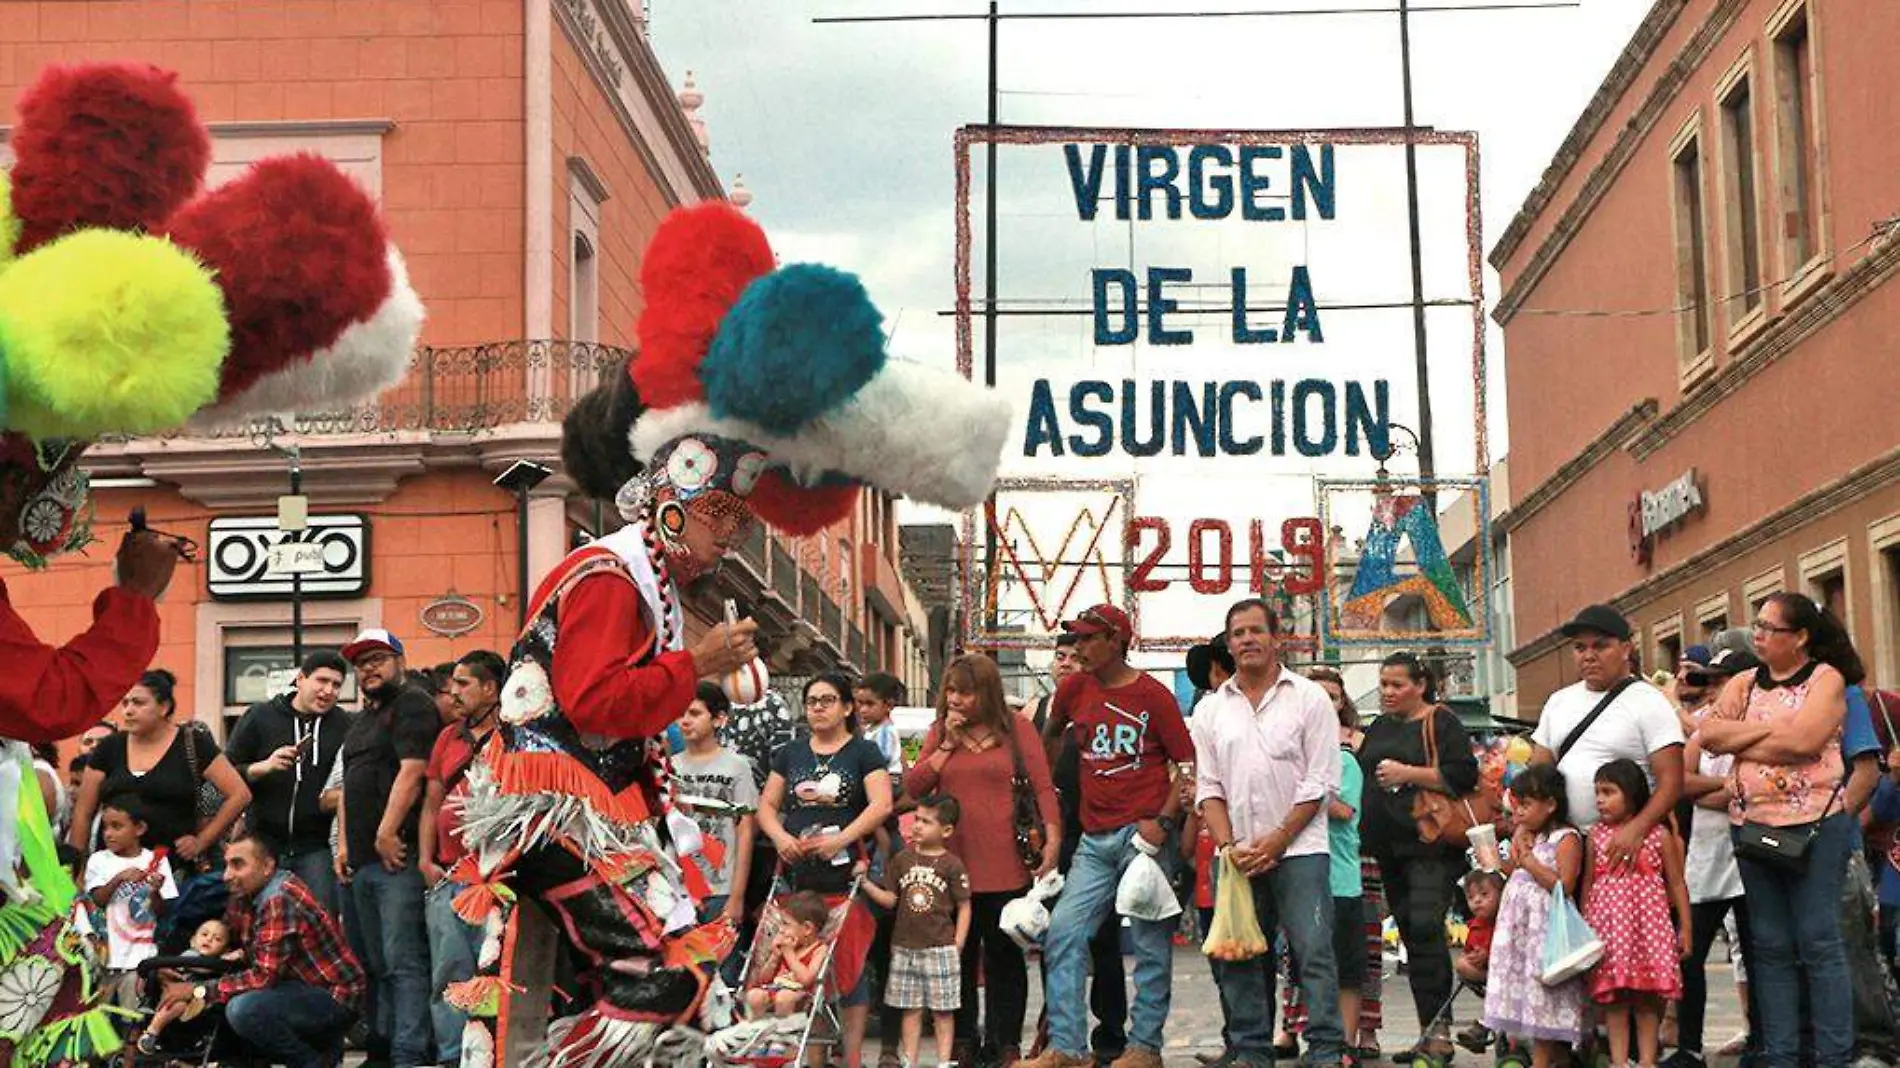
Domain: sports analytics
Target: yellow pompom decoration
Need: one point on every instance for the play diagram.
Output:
(106, 332)
(9, 222)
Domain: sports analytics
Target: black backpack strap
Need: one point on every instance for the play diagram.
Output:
(1576, 734)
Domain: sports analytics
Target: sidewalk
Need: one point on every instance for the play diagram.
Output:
(1194, 1019)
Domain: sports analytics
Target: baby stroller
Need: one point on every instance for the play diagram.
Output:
(197, 1041)
(1509, 1052)
(775, 1042)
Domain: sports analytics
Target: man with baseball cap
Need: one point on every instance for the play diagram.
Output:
(1130, 737)
(1610, 714)
(384, 759)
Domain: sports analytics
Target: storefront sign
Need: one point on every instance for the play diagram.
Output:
(451, 615)
(242, 549)
(1657, 513)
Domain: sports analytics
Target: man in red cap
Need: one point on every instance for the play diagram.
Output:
(1131, 738)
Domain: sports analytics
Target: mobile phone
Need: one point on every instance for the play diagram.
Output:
(732, 612)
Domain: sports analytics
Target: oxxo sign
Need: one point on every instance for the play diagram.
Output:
(1656, 513)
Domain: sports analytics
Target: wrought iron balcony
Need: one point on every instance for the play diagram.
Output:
(461, 389)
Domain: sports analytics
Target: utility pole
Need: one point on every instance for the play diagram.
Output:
(989, 314)
(1427, 468)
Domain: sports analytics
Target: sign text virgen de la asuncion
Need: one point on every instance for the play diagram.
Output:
(1309, 417)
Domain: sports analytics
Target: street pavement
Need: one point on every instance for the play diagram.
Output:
(1194, 1020)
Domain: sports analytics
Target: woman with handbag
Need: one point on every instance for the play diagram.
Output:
(1415, 748)
(979, 753)
(1783, 724)
(191, 793)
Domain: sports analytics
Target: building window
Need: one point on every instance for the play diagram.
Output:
(1694, 332)
(1757, 590)
(1797, 150)
(585, 306)
(1712, 625)
(1741, 208)
(1887, 604)
(1495, 673)
(1668, 653)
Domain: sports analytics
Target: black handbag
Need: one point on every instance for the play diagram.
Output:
(1025, 815)
(1786, 848)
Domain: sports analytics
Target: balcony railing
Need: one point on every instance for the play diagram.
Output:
(464, 389)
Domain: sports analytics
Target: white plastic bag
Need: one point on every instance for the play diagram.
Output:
(1026, 919)
(1144, 892)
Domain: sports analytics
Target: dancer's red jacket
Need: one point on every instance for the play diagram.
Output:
(48, 693)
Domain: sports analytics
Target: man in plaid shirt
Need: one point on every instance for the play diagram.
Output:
(303, 986)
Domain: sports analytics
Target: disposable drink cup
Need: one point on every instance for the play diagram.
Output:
(1484, 845)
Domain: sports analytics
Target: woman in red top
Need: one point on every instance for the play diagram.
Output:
(973, 754)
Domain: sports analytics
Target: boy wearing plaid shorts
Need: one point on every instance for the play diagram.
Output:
(929, 889)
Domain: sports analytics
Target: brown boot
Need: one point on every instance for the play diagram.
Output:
(1138, 1057)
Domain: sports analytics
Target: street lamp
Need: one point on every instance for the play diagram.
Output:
(521, 477)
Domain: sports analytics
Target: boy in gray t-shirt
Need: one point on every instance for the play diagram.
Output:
(708, 772)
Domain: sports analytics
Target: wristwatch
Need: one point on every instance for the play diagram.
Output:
(1167, 823)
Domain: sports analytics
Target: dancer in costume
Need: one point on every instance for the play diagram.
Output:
(757, 392)
(133, 302)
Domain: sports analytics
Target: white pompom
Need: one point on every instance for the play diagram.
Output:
(746, 685)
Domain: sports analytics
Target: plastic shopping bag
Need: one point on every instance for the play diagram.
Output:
(1144, 892)
(1235, 933)
(1026, 919)
(1570, 946)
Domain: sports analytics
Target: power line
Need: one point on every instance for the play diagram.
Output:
(1186, 308)
(1252, 13)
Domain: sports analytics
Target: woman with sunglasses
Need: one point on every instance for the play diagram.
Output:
(1783, 723)
(827, 795)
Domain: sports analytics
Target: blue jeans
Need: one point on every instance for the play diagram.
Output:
(1795, 928)
(314, 868)
(387, 909)
(454, 947)
(1296, 898)
(1087, 899)
(290, 1023)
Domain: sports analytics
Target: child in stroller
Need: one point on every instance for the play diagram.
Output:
(801, 956)
(210, 942)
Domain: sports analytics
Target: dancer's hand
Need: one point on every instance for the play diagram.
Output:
(145, 563)
(726, 647)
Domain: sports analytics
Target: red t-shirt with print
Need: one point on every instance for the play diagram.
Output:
(1126, 737)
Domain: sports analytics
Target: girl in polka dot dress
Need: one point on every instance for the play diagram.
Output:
(1627, 902)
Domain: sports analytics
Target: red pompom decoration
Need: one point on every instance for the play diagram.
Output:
(299, 250)
(699, 261)
(104, 144)
(790, 508)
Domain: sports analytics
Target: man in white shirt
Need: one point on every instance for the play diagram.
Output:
(1637, 722)
(1266, 748)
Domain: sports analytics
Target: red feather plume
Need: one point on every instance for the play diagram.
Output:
(104, 144)
(790, 508)
(299, 250)
(699, 261)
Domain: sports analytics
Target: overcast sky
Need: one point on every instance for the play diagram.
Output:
(844, 135)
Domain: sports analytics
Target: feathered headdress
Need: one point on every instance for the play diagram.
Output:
(131, 302)
(773, 383)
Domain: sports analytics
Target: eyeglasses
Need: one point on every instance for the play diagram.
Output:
(823, 700)
(1762, 626)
